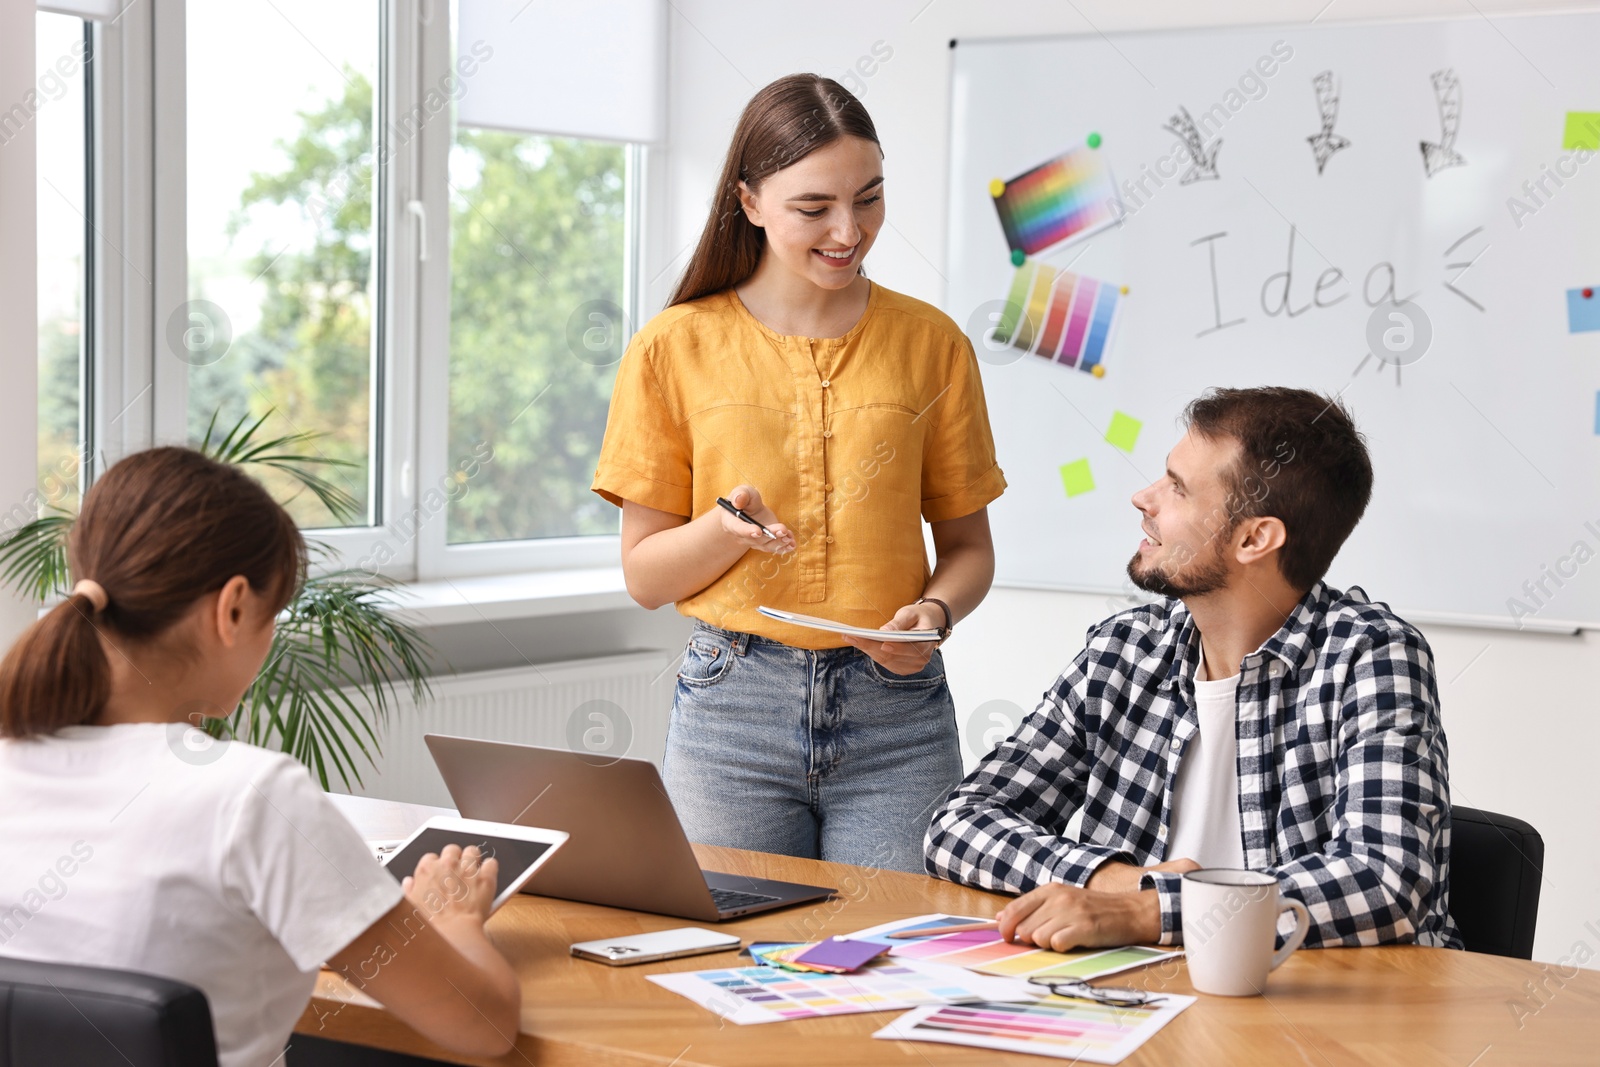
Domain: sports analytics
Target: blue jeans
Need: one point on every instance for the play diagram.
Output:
(822, 754)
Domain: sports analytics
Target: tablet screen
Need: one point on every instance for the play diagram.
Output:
(514, 854)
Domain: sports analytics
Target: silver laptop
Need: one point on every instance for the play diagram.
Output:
(626, 848)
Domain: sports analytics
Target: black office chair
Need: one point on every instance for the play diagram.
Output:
(56, 1013)
(1496, 864)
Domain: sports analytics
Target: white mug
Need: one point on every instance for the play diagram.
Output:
(1229, 920)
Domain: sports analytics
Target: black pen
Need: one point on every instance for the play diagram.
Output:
(746, 518)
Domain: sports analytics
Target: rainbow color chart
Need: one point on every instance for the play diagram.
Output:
(746, 995)
(1064, 317)
(1070, 196)
(1078, 1030)
(986, 952)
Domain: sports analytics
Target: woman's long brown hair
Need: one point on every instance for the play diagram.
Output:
(158, 531)
(781, 125)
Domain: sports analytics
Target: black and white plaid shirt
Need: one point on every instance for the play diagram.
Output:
(1342, 771)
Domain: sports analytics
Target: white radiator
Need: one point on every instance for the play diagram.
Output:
(617, 705)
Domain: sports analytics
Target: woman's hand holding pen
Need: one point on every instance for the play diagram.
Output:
(747, 499)
(903, 657)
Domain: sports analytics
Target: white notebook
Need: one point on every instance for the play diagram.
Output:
(813, 623)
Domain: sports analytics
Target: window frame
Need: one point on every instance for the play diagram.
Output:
(89, 307)
(119, 402)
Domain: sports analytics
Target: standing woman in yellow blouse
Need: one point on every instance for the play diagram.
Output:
(840, 415)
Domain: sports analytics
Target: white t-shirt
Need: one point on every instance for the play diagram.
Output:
(237, 875)
(1205, 800)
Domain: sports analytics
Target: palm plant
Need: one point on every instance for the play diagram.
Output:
(338, 660)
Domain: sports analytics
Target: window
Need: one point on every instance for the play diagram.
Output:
(282, 198)
(276, 175)
(536, 330)
(533, 184)
(64, 211)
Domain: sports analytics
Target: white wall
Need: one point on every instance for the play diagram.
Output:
(1516, 707)
(19, 312)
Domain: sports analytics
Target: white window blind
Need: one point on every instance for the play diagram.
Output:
(596, 69)
(86, 9)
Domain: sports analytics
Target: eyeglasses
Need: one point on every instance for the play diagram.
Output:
(1110, 996)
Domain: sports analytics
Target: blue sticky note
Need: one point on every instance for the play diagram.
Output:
(1583, 310)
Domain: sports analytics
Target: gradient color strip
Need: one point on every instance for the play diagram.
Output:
(1038, 300)
(1015, 301)
(1078, 320)
(1100, 329)
(1060, 300)
(1059, 199)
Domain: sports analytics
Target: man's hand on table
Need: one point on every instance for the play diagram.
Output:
(1063, 917)
(1111, 910)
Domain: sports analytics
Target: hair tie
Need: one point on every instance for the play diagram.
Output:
(96, 593)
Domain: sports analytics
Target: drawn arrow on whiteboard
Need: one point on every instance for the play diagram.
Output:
(1437, 157)
(1203, 160)
(1325, 143)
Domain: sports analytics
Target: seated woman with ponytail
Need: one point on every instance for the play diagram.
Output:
(236, 874)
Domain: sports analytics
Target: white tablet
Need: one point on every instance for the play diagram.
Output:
(521, 850)
(812, 622)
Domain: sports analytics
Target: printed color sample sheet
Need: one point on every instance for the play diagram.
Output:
(748, 995)
(1064, 317)
(1069, 196)
(983, 951)
(1059, 1027)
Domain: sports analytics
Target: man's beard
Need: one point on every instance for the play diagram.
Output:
(1200, 579)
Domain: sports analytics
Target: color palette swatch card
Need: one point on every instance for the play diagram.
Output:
(840, 955)
(984, 951)
(835, 956)
(1062, 199)
(1060, 316)
(1055, 1026)
(748, 995)
(781, 954)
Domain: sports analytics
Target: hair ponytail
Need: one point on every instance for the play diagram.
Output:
(157, 532)
(781, 125)
(58, 666)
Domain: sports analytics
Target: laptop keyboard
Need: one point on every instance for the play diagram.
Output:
(733, 899)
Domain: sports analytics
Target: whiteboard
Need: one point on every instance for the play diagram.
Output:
(1485, 449)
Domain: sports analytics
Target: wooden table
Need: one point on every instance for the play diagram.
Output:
(1398, 1005)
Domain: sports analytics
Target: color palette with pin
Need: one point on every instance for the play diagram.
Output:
(1061, 199)
(1064, 317)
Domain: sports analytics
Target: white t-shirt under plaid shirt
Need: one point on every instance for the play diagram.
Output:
(1342, 764)
(1205, 793)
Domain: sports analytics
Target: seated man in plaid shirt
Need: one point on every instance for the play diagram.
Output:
(1254, 718)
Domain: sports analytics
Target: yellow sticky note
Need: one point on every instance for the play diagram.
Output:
(1583, 130)
(1124, 431)
(1075, 477)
